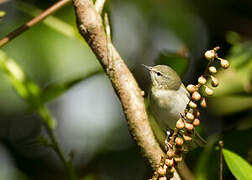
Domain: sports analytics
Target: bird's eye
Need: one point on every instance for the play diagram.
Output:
(158, 74)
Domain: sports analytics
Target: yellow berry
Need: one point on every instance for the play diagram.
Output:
(192, 104)
(196, 113)
(170, 153)
(212, 69)
(203, 103)
(169, 162)
(216, 48)
(224, 63)
(180, 124)
(196, 96)
(187, 137)
(210, 54)
(188, 126)
(196, 122)
(179, 141)
(178, 158)
(189, 116)
(191, 88)
(161, 170)
(214, 81)
(202, 80)
(208, 91)
(162, 178)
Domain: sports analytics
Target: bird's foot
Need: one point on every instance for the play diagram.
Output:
(169, 134)
(182, 115)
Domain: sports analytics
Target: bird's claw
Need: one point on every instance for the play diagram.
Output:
(167, 139)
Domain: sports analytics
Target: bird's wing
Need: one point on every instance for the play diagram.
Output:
(184, 88)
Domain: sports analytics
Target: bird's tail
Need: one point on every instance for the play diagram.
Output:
(198, 139)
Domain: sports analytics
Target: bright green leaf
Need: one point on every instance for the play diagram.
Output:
(240, 168)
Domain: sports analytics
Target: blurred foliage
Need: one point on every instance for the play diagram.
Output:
(31, 92)
(24, 86)
(55, 89)
(50, 61)
(52, 22)
(202, 171)
(2, 13)
(179, 62)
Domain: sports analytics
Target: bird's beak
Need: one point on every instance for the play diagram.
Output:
(147, 67)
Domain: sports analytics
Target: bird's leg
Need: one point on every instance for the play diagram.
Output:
(182, 115)
(169, 134)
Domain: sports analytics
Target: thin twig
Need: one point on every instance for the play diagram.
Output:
(33, 21)
(46, 117)
(99, 5)
(20, 83)
(220, 159)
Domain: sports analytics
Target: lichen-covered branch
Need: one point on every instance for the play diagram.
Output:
(91, 27)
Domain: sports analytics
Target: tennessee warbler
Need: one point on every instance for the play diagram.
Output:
(168, 98)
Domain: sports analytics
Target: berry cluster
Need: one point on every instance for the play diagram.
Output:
(184, 130)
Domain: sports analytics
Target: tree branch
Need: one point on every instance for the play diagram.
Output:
(33, 22)
(91, 27)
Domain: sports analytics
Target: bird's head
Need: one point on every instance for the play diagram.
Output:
(164, 77)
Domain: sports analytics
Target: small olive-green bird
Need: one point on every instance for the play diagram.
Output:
(168, 98)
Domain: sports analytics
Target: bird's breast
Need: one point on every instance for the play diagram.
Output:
(166, 105)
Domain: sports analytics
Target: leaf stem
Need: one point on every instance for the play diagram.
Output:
(220, 159)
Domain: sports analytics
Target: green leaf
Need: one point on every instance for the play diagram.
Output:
(240, 168)
(176, 61)
(27, 89)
